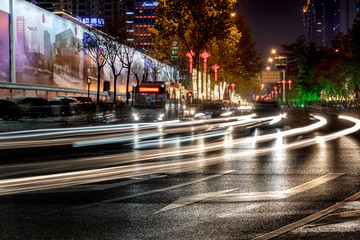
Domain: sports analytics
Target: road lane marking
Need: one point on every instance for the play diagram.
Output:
(167, 188)
(140, 194)
(225, 196)
(337, 218)
(184, 201)
(308, 219)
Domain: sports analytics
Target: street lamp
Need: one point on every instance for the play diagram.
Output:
(273, 51)
(88, 83)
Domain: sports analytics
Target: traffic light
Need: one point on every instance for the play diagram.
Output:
(189, 94)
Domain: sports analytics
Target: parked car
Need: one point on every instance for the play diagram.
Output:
(82, 104)
(9, 110)
(34, 106)
(61, 106)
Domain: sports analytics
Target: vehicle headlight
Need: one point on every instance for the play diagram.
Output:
(135, 116)
(225, 114)
(160, 117)
(199, 115)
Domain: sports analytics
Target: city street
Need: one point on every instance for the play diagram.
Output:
(228, 178)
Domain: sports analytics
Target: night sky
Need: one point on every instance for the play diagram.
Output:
(273, 22)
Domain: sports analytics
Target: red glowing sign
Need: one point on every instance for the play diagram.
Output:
(190, 55)
(149, 89)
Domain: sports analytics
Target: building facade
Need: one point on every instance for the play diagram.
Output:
(40, 58)
(139, 15)
(324, 19)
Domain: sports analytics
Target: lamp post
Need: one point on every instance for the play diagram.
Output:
(88, 83)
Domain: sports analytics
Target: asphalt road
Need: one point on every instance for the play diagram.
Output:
(204, 180)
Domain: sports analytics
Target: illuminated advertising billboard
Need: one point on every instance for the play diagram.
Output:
(48, 53)
(4, 42)
(4, 47)
(46, 50)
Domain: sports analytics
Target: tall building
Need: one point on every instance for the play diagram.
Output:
(140, 16)
(323, 19)
(46, 4)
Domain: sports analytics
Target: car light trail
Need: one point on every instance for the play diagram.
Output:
(114, 134)
(115, 140)
(27, 184)
(152, 143)
(115, 159)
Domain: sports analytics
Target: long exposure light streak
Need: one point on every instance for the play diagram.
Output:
(124, 158)
(26, 184)
(105, 135)
(115, 140)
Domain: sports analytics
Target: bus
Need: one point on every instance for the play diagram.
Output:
(160, 101)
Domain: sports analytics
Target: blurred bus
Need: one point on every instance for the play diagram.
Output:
(160, 101)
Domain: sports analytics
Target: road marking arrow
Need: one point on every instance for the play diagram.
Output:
(226, 196)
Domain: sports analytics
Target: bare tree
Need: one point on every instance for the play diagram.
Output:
(138, 70)
(94, 44)
(126, 57)
(114, 50)
(117, 36)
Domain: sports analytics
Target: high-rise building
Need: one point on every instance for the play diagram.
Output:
(46, 4)
(140, 16)
(323, 19)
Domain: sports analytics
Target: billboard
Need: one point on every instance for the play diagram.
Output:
(271, 76)
(47, 51)
(4, 47)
